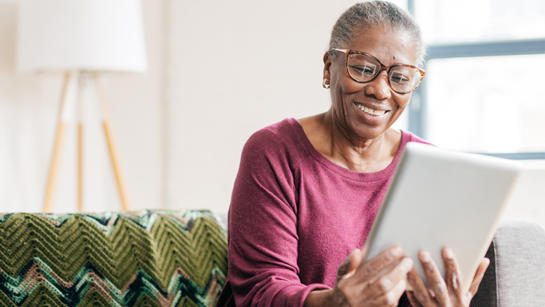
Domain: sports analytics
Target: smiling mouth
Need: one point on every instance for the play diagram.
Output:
(373, 112)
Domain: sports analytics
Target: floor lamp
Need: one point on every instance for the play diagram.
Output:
(83, 38)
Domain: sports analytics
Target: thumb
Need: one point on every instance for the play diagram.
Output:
(350, 263)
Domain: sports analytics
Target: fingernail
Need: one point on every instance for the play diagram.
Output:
(448, 253)
(441, 288)
(432, 294)
(455, 281)
(396, 251)
(425, 257)
(407, 264)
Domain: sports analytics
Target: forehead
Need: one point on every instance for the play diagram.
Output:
(390, 46)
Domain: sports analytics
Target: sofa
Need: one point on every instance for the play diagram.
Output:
(516, 275)
(179, 258)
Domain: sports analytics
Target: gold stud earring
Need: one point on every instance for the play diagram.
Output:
(325, 84)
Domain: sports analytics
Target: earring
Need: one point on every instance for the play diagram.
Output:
(325, 84)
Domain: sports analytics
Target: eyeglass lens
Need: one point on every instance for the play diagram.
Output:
(402, 79)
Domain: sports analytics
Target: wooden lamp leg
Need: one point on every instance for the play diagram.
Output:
(59, 135)
(109, 141)
(79, 106)
(80, 167)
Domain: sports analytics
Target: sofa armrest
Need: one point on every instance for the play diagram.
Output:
(516, 276)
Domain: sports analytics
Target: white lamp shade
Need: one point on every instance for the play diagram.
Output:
(96, 35)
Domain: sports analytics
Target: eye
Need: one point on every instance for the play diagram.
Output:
(399, 78)
(364, 69)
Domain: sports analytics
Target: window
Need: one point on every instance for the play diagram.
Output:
(485, 67)
(445, 22)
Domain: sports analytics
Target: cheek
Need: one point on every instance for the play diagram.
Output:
(341, 96)
(351, 87)
(343, 90)
(402, 102)
(341, 82)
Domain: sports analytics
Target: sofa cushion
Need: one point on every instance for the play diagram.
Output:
(515, 276)
(520, 250)
(151, 258)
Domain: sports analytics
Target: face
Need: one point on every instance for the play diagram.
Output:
(366, 110)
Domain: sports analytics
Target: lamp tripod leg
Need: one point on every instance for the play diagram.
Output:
(80, 166)
(109, 142)
(57, 146)
(115, 165)
(81, 86)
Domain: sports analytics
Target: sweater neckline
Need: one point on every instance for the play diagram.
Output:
(315, 154)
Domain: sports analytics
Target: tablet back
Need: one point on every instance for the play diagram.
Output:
(443, 198)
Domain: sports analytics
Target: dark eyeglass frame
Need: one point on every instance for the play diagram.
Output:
(383, 67)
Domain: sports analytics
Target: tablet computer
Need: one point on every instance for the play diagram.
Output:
(441, 198)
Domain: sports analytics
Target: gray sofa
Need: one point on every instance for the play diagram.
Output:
(516, 276)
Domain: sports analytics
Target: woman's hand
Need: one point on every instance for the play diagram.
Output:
(443, 292)
(378, 282)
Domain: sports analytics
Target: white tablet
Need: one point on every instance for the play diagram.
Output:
(441, 198)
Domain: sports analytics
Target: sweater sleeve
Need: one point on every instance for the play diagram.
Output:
(263, 239)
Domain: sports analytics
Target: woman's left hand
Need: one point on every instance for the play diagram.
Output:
(443, 292)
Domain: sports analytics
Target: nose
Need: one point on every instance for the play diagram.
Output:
(379, 88)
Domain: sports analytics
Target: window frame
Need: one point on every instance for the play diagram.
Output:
(418, 107)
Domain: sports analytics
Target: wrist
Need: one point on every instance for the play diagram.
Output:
(319, 298)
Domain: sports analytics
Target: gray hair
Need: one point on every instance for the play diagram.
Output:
(373, 13)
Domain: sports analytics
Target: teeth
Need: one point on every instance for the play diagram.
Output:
(370, 111)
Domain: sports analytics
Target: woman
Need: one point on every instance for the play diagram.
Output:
(308, 190)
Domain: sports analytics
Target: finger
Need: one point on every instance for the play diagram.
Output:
(452, 272)
(391, 298)
(479, 274)
(435, 281)
(349, 265)
(389, 279)
(413, 300)
(420, 291)
(345, 285)
(377, 264)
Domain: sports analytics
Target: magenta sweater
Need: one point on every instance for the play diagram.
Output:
(295, 216)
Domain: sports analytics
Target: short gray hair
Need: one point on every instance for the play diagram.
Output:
(373, 13)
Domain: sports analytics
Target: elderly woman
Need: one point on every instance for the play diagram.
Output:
(308, 190)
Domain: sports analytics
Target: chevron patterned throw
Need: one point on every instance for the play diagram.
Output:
(145, 258)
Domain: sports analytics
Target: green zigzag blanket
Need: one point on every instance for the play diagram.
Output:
(146, 258)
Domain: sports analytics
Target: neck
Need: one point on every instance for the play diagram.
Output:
(353, 152)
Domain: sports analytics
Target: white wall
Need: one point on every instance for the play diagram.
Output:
(28, 106)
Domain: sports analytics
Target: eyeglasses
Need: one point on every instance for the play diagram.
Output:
(363, 67)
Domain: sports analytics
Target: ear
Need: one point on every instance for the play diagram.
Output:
(327, 66)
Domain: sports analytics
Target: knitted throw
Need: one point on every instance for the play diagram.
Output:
(146, 258)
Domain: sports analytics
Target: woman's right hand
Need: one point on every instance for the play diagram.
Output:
(379, 281)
